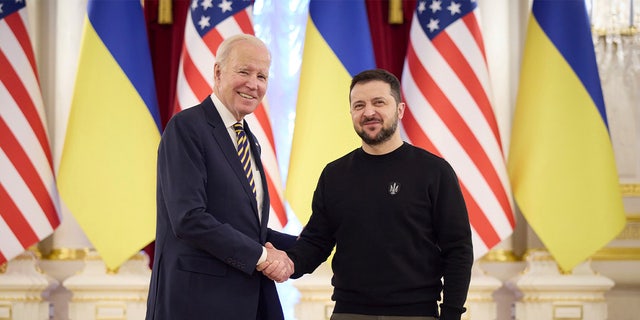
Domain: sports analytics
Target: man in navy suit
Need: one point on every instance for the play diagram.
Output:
(212, 226)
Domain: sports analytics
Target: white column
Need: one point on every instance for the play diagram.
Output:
(480, 303)
(315, 290)
(546, 293)
(98, 294)
(24, 289)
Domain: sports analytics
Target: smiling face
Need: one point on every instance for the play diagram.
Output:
(375, 112)
(241, 77)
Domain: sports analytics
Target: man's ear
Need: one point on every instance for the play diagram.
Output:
(216, 72)
(401, 107)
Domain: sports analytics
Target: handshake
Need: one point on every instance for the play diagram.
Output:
(278, 267)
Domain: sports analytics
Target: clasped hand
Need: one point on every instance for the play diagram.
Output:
(278, 267)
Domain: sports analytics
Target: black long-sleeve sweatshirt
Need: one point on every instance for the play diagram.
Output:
(400, 227)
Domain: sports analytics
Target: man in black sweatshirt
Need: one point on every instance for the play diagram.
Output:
(394, 213)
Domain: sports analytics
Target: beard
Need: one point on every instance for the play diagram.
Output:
(384, 135)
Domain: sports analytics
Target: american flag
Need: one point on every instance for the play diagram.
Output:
(28, 195)
(445, 83)
(208, 24)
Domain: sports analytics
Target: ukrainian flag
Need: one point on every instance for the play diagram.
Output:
(108, 165)
(337, 46)
(561, 161)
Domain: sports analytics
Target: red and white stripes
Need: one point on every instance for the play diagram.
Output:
(28, 195)
(195, 82)
(445, 83)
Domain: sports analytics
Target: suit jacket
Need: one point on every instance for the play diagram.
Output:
(208, 235)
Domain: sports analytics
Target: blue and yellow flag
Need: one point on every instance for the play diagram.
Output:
(337, 46)
(561, 161)
(108, 165)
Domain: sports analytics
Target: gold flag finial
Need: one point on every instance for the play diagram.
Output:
(395, 12)
(165, 12)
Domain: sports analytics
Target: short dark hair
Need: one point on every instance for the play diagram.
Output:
(378, 74)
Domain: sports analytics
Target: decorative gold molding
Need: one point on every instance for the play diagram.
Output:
(630, 189)
(98, 298)
(617, 254)
(68, 254)
(28, 298)
(530, 254)
(34, 249)
(501, 255)
(27, 255)
(604, 254)
(487, 298)
(631, 230)
(87, 254)
(630, 31)
(555, 299)
(6, 310)
(140, 256)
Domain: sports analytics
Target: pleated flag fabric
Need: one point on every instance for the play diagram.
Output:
(205, 28)
(29, 204)
(337, 46)
(107, 174)
(561, 160)
(445, 83)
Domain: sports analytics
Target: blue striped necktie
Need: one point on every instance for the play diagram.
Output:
(244, 154)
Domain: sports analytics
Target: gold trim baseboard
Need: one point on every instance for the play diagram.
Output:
(501, 255)
(86, 254)
(604, 254)
(630, 189)
(625, 32)
(141, 297)
(631, 229)
(68, 254)
(617, 254)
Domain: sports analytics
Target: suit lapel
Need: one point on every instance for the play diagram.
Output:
(221, 135)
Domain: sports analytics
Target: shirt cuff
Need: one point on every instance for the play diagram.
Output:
(263, 256)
